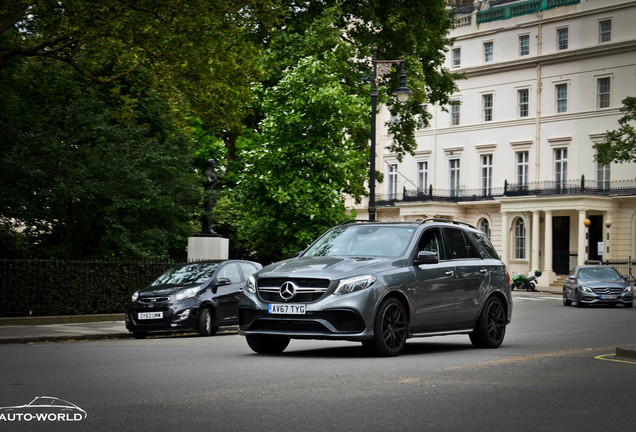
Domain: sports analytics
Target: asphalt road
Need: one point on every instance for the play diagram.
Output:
(555, 371)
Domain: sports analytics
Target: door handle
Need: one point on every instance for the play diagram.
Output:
(450, 273)
(483, 271)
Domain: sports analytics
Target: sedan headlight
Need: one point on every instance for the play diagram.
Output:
(135, 296)
(585, 289)
(354, 284)
(250, 286)
(186, 294)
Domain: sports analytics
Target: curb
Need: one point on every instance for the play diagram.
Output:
(68, 338)
(62, 319)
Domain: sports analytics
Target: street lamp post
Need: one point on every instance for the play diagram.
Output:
(402, 93)
(608, 224)
(587, 224)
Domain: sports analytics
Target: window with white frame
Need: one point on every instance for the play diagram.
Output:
(602, 176)
(488, 50)
(455, 111)
(522, 168)
(524, 45)
(561, 93)
(392, 180)
(422, 176)
(560, 167)
(523, 102)
(605, 31)
(487, 107)
(484, 226)
(453, 168)
(520, 239)
(603, 92)
(486, 175)
(456, 57)
(562, 38)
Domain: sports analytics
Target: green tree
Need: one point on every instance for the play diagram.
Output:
(620, 144)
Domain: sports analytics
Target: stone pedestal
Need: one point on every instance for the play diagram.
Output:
(206, 247)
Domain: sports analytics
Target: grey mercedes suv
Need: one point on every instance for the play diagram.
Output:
(381, 283)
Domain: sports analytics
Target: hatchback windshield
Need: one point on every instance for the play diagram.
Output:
(363, 240)
(598, 273)
(187, 274)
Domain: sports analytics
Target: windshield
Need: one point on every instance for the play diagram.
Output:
(188, 274)
(599, 273)
(363, 240)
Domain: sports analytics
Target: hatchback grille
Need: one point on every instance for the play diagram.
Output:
(154, 300)
(307, 290)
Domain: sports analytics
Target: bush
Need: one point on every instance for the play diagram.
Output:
(42, 287)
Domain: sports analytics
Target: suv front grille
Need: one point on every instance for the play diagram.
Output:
(307, 290)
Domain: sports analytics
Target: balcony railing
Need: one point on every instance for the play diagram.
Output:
(521, 8)
(544, 188)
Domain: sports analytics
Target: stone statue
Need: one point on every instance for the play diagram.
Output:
(210, 196)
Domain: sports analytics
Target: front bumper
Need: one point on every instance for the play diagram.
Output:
(172, 319)
(591, 298)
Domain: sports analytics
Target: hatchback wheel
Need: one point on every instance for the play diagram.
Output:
(491, 325)
(267, 344)
(205, 327)
(390, 329)
(140, 334)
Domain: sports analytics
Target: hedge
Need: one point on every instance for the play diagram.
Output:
(43, 287)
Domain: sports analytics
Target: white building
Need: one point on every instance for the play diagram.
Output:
(544, 82)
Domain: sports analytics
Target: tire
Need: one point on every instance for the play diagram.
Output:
(491, 325)
(566, 301)
(267, 344)
(579, 304)
(389, 329)
(629, 305)
(205, 327)
(140, 334)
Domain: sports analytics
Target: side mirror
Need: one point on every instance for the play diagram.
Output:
(223, 281)
(426, 257)
(571, 277)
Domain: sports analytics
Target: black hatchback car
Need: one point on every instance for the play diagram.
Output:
(200, 296)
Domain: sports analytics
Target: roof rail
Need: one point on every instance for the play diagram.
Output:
(352, 221)
(446, 221)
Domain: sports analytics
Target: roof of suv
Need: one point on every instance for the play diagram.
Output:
(414, 223)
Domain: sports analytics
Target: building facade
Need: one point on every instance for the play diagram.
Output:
(514, 155)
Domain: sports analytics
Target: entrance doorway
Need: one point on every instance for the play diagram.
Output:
(561, 245)
(596, 236)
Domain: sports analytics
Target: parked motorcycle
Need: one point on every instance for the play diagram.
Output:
(523, 282)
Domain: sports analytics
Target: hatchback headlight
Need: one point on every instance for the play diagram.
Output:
(186, 294)
(250, 286)
(135, 296)
(354, 284)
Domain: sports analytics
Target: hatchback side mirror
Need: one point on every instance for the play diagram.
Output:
(426, 257)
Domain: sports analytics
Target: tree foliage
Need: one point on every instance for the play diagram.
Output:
(620, 144)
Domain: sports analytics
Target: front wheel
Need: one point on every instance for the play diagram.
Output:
(389, 329)
(267, 344)
(491, 325)
(566, 301)
(205, 327)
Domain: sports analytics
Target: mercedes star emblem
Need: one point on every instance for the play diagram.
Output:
(287, 290)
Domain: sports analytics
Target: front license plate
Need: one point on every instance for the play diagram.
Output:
(609, 297)
(287, 309)
(150, 315)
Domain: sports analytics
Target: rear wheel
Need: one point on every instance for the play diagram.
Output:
(566, 301)
(491, 325)
(267, 344)
(389, 329)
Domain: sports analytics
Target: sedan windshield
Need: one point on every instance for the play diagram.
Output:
(598, 273)
(363, 240)
(187, 274)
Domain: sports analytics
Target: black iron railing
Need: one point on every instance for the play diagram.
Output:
(543, 188)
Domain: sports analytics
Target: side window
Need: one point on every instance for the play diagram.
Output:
(247, 269)
(230, 271)
(431, 241)
(483, 245)
(456, 244)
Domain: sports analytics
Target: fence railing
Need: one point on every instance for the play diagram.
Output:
(626, 267)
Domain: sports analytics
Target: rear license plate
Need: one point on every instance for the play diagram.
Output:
(150, 315)
(287, 309)
(609, 297)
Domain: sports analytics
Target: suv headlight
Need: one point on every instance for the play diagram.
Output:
(135, 296)
(585, 289)
(354, 284)
(250, 286)
(628, 289)
(186, 294)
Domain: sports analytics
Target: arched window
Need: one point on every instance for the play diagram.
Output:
(484, 226)
(520, 239)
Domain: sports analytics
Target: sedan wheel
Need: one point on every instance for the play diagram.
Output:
(566, 301)
(491, 325)
(390, 329)
(579, 304)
